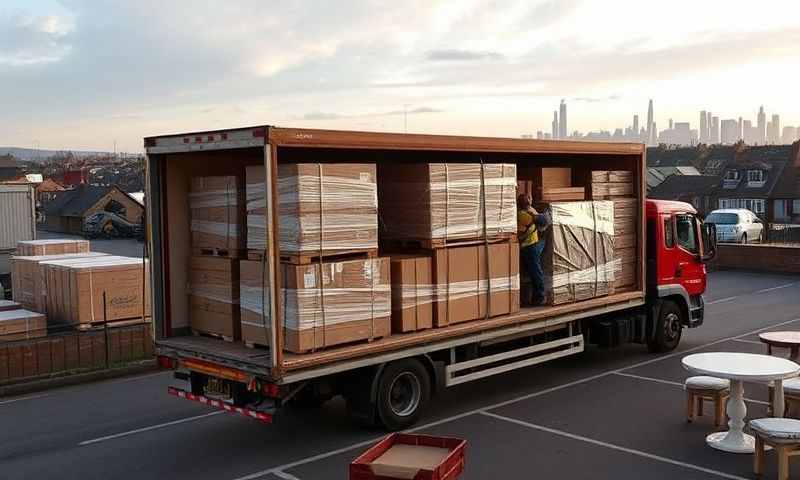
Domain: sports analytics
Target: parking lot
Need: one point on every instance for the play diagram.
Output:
(602, 414)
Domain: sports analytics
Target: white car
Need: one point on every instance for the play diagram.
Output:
(737, 225)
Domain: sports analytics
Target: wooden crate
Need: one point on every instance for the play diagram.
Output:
(75, 289)
(51, 247)
(21, 324)
(415, 456)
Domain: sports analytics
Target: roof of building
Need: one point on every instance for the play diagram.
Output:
(772, 159)
(671, 157)
(680, 186)
(73, 203)
(656, 175)
(50, 185)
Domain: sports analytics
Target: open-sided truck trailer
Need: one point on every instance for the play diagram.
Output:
(388, 381)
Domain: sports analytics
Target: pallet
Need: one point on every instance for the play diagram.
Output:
(219, 252)
(309, 258)
(198, 333)
(84, 327)
(435, 244)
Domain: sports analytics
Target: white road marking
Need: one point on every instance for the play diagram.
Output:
(138, 377)
(365, 443)
(284, 475)
(678, 384)
(612, 446)
(722, 300)
(742, 340)
(19, 399)
(152, 427)
(787, 285)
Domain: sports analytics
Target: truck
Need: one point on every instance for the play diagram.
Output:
(17, 223)
(389, 381)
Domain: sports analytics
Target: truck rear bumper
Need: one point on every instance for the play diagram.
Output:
(261, 415)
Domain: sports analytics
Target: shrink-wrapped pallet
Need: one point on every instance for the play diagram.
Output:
(28, 284)
(578, 259)
(21, 324)
(51, 247)
(214, 296)
(322, 208)
(335, 303)
(216, 211)
(75, 289)
(442, 202)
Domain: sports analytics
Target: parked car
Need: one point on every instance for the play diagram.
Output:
(736, 225)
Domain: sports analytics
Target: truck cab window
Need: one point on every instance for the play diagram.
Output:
(687, 237)
(669, 235)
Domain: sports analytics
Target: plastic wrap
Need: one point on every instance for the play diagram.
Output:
(438, 201)
(214, 203)
(213, 290)
(21, 325)
(27, 278)
(412, 295)
(51, 247)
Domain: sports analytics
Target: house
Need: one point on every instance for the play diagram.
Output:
(47, 190)
(786, 194)
(68, 210)
(699, 190)
(9, 169)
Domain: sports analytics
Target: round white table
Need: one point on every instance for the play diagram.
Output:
(739, 368)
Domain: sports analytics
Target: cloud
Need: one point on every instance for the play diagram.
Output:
(461, 55)
(321, 116)
(32, 40)
(609, 98)
(337, 116)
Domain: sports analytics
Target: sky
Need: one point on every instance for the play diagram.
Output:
(89, 74)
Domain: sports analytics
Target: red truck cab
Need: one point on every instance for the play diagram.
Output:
(678, 247)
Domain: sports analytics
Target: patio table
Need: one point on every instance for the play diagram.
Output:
(739, 368)
(790, 340)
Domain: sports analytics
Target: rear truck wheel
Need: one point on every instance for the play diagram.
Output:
(668, 328)
(744, 239)
(404, 389)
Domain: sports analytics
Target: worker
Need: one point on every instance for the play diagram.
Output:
(531, 248)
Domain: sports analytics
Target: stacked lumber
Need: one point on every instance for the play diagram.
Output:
(578, 259)
(214, 297)
(27, 278)
(20, 324)
(51, 247)
(75, 290)
(617, 186)
(438, 203)
(216, 206)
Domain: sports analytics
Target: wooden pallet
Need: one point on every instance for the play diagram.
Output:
(434, 244)
(83, 327)
(198, 333)
(219, 252)
(308, 258)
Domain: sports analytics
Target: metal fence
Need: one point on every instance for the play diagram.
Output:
(783, 234)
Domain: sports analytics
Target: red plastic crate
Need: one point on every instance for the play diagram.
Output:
(449, 469)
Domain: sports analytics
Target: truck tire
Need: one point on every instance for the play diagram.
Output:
(668, 328)
(404, 389)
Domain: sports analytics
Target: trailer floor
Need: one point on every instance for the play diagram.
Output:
(602, 414)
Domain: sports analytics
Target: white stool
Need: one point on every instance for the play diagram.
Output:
(782, 434)
(703, 388)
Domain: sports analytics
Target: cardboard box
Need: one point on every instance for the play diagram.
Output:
(254, 303)
(214, 296)
(561, 194)
(462, 289)
(21, 325)
(625, 272)
(445, 202)
(335, 303)
(625, 241)
(51, 247)
(612, 176)
(610, 184)
(578, 260)
(216, 206)
(322, 208)
(28, 282)
(412, 292)
(75, 289)
(549, 184)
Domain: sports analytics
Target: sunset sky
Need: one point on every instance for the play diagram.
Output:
(81, 74)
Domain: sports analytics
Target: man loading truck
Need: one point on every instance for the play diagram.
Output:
(531, 245)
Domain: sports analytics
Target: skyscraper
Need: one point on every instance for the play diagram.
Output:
(651, 133)
(670, 124)
(714, 135)
(774, 133)
(703, 127)
(749, 134)
(562, 124)
(761, 134)
(636, 124)
(789, 134)
(555, 125)
(729, 130)
(741, 129)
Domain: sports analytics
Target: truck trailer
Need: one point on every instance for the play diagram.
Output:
(17, 223)
(389, 381)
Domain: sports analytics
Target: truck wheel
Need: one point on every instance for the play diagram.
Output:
(404, 389)
(668, 326)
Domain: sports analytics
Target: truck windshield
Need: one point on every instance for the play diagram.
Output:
(723, 218)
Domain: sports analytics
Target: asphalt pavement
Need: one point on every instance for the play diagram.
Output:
(603, 414)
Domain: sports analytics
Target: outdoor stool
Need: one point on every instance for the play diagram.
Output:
(703, 388)
(782, 434)
(791, 395)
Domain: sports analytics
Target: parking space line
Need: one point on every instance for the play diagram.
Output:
(19, 399)
(612, 446)
(365, 443)
(742, 340)
(677, 384)
(147, 429)
(787, 285)
(722, 300)
(284, 475)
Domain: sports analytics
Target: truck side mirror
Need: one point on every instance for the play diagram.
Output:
(709, 241)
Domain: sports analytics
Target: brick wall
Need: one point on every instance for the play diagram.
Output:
(767, 258)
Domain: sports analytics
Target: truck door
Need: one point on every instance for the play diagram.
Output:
(689, 268)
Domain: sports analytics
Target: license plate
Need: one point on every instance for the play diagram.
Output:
(218, 388)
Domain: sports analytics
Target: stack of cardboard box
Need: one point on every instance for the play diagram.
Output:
(617, 186)
(549, 184)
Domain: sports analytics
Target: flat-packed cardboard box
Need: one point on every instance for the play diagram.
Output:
(21, 325)
(412, 292)
(216, 206)
(561, 194)
(611, 184)
(549, 184)
(322, 208)
(28, 284)
(612, 176)
(445, 202)
(254, 303)
(51, 247)
(214, 296)
(335, 303)
(463, 288)
(625, 270)
(578, 259)
(75, 289)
